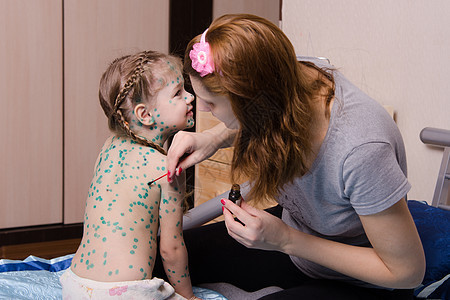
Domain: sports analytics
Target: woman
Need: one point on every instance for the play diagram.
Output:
(327, 153)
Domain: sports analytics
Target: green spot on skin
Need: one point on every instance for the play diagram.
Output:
(132, 252)
(130, 266)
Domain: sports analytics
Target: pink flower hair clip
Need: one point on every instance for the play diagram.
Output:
(201, 57)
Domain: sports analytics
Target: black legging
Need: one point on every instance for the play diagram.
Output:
(216, 257)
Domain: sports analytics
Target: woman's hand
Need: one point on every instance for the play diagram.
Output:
(259, 229)
(196, 146)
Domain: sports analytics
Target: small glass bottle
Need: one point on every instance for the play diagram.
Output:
(235, 194)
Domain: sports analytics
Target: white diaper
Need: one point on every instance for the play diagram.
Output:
(75, 287)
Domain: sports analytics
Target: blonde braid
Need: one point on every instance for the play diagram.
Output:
(129, 84)
(139, 139)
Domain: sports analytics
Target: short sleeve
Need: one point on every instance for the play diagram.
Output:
(373, 179)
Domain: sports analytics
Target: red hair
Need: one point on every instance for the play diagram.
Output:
(257, 69)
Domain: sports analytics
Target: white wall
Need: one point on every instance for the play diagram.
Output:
(398, 52)
(269, 9)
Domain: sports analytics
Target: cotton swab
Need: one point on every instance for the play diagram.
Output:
(151, 182)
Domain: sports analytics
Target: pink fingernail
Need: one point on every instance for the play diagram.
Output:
(222, 201)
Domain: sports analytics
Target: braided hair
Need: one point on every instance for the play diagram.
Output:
(126, 82)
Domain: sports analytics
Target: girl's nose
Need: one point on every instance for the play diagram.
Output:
(189, 98)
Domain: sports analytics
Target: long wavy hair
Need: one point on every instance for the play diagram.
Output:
(271, 96)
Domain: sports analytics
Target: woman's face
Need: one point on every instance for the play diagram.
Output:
(218, 105)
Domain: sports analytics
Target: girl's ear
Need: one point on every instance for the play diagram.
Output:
(144, 115)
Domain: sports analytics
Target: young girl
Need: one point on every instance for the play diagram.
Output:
(144, 98)
(329, 154)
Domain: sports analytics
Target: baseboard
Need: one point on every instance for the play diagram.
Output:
(46, 241)
(46, 250)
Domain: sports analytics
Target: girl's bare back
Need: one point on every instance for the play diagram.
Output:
(122, 213)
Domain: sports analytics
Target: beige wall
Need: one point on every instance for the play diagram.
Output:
(395, 51)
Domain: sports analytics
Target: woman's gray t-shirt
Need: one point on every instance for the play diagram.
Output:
(360, 170)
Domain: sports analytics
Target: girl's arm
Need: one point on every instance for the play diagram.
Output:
(396, 259)
(172, 248)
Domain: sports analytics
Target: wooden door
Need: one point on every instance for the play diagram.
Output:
(31, 112)
(96, 32)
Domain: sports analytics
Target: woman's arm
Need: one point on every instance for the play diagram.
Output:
(198, 145)
(396, 260)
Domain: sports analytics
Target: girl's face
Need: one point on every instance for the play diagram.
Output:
(173, 109)
(219, 106)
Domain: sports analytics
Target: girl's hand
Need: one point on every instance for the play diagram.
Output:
(261, 230)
